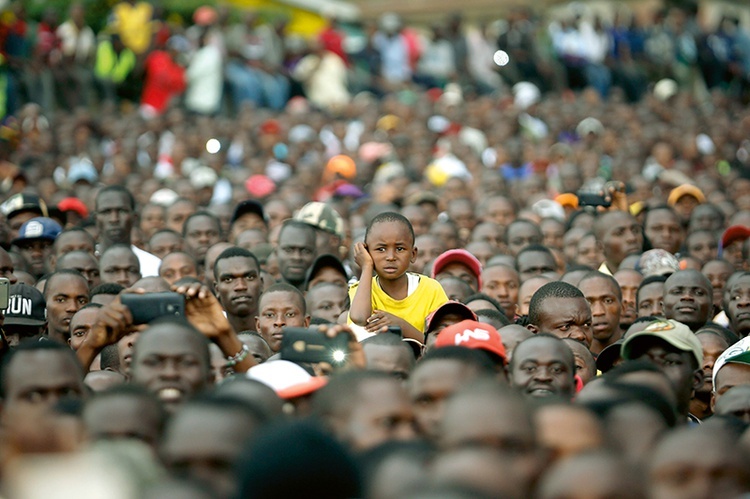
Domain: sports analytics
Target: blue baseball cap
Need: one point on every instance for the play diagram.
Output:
(38, 228)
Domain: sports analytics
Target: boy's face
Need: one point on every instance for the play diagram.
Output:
(391, 247)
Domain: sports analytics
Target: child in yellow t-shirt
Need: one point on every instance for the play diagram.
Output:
(393, 296)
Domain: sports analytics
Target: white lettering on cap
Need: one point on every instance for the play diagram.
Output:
(33, 229)
(19, 305)
(468, 334)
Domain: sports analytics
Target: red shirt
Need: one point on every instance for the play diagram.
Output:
(164, 80)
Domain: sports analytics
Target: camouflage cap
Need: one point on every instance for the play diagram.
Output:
(321, 216)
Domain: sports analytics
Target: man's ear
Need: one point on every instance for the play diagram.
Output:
(698, 378)
(532, 328)
(257, 324)
(307, 321)
(414, 253)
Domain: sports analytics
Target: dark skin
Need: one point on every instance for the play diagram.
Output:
(391, 245)
(202, 309)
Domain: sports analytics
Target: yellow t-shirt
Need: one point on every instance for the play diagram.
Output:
(427, 297)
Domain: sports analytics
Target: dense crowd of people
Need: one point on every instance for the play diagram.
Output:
(433, 286)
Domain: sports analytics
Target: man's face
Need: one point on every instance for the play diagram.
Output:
(730, 375)
(19, 219)
(534, 263)
(718, 272)
(246, 222)
(259, 349)
(663, 229)
(520, 235)
(622, 238)
(629, 280)
(687, 298)
(84, 263)
(382, 414)
(66, 294)
(526, 291)
(39, 379)
(120, 265)
(543, 367)
(277, 212)
(499, 211)
(165, 243)
(552, 232)
(738, 306)
(204, 443)
(390, 359)
(296, 253)
(462, 272)
(697, 464)
(605, 306)
(430, 385)
(152, 219)
(75, 240)
(703, 246)
(649, 300)
(429, 247)
(238, 285)
(677, 365)
(171, 363)
(122, 417)
(326, 301)
(177, 214)
(80, 325)
(175, 266)
(501, 283)
(114, 218)
(705, 217)
(7, 268)
(37, 253)
(276, 311)
(566, 318)
(328, 275)
(201, 232)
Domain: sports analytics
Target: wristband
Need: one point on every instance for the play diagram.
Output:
(239, 356)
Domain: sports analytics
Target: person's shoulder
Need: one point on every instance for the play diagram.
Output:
(427, 282)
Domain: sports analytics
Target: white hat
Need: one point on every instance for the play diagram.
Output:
(286, 378)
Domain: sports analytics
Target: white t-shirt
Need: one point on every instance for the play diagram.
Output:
(149, 263)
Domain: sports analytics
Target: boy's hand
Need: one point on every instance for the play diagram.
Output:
(379, 322)
(362, 257)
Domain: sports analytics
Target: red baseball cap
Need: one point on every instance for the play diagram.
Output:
(734, 233)
(472, 334)
(458, 256)
(73, 204)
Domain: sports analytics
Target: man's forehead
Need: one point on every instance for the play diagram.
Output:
(171, 339)
(542, 348)
(279, 299)
(598, 285)
(43, 367)
(112, 199)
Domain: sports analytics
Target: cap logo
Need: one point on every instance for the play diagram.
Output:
(34, 229)
(469, 334)
(660, 326)
(19, 305)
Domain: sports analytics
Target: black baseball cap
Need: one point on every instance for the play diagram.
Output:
(322, 262)
(248, 206)
(26, 306)
(18, 203)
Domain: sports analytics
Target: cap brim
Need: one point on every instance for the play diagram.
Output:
(448, 308)
(627, 346)
(313, 384)
(607, 357)
(22, 321)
